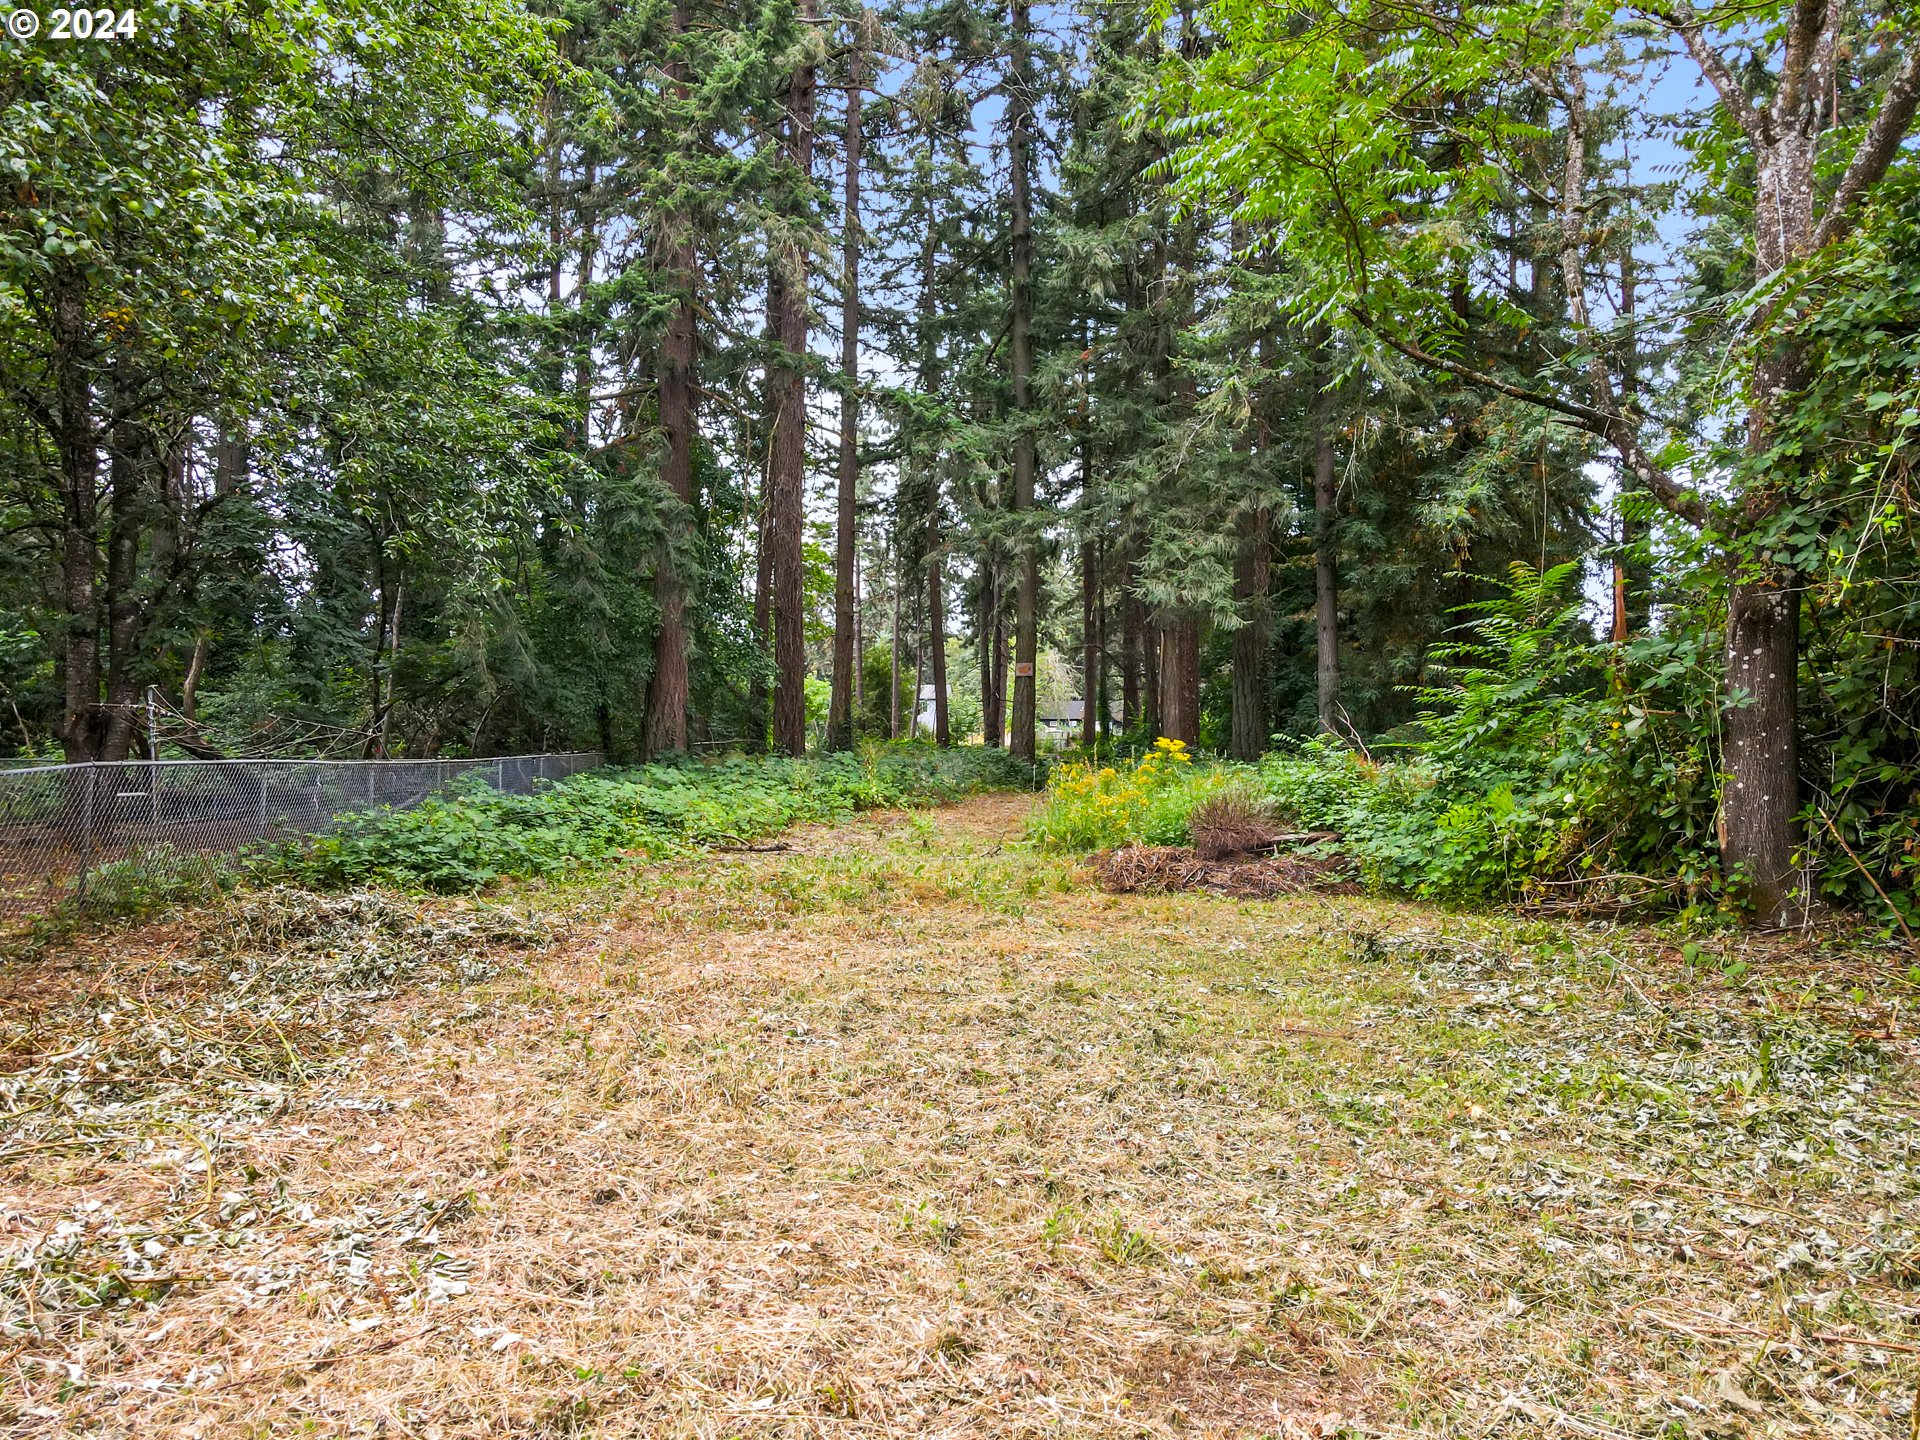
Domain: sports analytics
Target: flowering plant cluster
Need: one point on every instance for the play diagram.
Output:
(1095, 807)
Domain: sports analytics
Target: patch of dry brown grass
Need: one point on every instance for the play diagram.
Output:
(903, 1133)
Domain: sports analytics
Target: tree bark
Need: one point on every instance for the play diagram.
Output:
(1105, 718)
(1782, 125)
(762, 593)
(1180, 681)
(1092, 643)
(986, 623)
(666, 722)
(1632, 579)
(840, 705)
(190, 682)
(677, 263)
(787, 448)
(129, 459)
(927, 459)
(1091, 659)
(80, 516)
(1760, 803)
(859, 640)
(1326, 551)
(1026, 645)
(1178, 263)
(919, 685)
(1152, 672)
(937, 623)
(997, 714)
(1254, 579)
(893, 671)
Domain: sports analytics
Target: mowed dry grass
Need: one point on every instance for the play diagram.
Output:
(908, 1131)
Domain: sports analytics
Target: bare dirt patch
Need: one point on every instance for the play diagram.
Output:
(905, 1132)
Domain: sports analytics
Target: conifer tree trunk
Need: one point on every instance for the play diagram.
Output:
(1253, 578)
(928, 460)
(1152, 668)
(893, 671)
(859, 639)
(1092, 681)
(1326, 576)
(762, 576)
(999, 666)
(1092, 649)
(1252, 581)
(1632, 598)
(1162, 707)
(1178, 256)
(787, 446)
(677, 264)
(919, 686)
(1102, 612)
(130, 456)
(840, 704)
(1180, 682)
(937, 625)
(987, 623)
(1027, 612)
(80, 506)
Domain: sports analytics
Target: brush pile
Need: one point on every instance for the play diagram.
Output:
(1163, 869)
(1237, 850)
(1229, 825)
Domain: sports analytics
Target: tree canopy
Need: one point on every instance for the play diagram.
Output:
(1522, 392)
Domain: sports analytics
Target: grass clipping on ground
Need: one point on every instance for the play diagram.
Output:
(905, 1132)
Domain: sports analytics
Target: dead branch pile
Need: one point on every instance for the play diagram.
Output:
(1228, 825)
(1162, 869)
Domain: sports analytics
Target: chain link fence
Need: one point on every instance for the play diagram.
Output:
(67, 828)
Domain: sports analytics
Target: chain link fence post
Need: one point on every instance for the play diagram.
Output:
(86, 843)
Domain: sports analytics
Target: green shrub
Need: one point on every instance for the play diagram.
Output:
(1544, 761)
(1542, 757)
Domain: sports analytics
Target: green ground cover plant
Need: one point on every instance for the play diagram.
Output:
(477, 836)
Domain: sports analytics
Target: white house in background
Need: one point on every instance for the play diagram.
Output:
(1055, 724)
(1061, 724)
